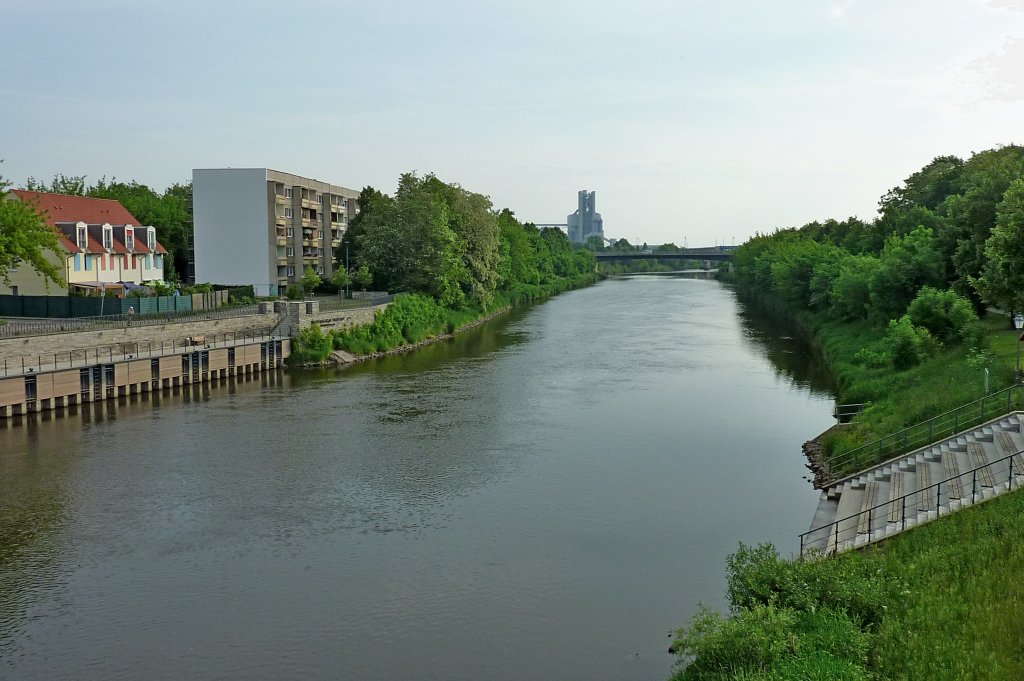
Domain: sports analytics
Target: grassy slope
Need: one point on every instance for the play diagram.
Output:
(953, 589)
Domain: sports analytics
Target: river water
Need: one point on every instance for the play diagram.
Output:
(544, 497)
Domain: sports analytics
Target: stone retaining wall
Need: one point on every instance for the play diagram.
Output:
(14, 349)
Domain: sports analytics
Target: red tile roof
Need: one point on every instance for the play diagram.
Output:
(66, 208)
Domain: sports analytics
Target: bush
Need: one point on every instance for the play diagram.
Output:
(293, 292)
(311, 346)
(908, 345)
(948, 316)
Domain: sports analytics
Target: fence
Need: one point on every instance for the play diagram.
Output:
(130, 350)
(921, 434)
(332, 304)
(64, 307)
(919, 506)
(16, 328)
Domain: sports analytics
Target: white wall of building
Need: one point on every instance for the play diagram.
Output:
(231, 228)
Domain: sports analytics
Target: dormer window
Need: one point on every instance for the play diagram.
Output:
(81, 236)
(129, 238)
(151, 238)
(108, 237)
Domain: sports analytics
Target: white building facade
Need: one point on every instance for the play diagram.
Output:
(263, 227)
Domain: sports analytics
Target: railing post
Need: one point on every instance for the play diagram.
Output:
(974, 485)
(801, 546)
(835, 546)
(1009, 483)
(869, 524)
(903, 512)
(938, 498)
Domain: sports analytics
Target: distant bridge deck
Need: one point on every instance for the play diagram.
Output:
(718, 253)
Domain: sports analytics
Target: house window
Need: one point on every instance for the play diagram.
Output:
(320, 252)
(151, 238)
(287, 192)
(83, 240)
(290, 251)
(88, 263)
(108, 237)
(291, 271)
(320, 199)
(288, 212)
(320, 234)
(289, 232)
(129, 239)
(78, 262)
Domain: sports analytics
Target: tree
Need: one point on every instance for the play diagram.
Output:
(60, 184)
(362, 277)
(341, 279)
(310, 280)
(25, 238)
(1002, 280)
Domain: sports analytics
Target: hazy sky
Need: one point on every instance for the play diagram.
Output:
(703, 120)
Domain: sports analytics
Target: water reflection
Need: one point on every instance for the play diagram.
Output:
(562, 483)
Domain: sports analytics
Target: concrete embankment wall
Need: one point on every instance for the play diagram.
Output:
(31, 348)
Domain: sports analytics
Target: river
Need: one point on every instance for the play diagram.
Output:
(544, 497)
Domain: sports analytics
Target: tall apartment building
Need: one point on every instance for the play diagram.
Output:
(263, 227)
(586, 221)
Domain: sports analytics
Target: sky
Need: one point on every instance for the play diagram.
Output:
(695, 121)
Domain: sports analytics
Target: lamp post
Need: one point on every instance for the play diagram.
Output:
(1018, 323)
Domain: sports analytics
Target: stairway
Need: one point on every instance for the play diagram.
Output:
(945, 476)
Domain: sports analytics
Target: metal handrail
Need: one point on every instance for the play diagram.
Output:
(17, 327)
(919, 434)
(832, 536)
(84, 357)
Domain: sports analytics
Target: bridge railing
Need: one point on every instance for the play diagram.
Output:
(939, 499)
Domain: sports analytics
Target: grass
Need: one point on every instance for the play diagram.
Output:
(941, 601)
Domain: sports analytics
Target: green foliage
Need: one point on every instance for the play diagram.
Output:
(26, 238)
(948, 316)
(312, 346)
(293, 292)
(812, 616)
(437, 238)
(907, 344)
(1002, 281)
(310, 280)
(161, 288)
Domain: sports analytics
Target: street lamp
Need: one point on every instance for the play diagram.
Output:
(1018, 323)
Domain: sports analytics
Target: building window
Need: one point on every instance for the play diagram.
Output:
(108, 237)
(288, 212)
(290, 271)
(78, 262)
(290, 251)
(319, 234)
(320, 199)
(88, 263)
(289, 232)
(129, 239)
(83, 239)
(151, 238)
(287, 192)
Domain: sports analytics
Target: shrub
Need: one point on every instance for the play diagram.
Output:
(293, 292)
(948, 316)
(311, 346)
(908, 345)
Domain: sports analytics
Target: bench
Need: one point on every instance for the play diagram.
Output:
(869, 502)
(949, 463)
(978, 460)
(895, 492)
(1007, 446)
(924, 484)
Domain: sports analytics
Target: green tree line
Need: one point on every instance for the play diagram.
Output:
(947, 243)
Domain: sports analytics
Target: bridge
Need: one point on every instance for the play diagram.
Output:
(709, 253)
